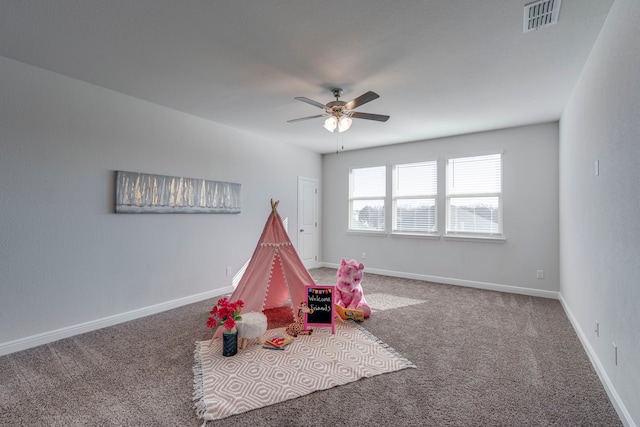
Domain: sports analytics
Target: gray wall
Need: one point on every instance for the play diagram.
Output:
(67, 262)
(599, 215)
(530, 215)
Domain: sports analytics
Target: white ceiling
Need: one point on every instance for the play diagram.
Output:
(441, 67)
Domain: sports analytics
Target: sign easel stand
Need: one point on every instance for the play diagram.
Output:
(320, 300)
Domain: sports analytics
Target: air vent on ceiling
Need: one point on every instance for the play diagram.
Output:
(540, 14)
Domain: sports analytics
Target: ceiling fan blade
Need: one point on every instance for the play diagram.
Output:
(369, 116)
(306, 118)
(310, 101)
(362, 99)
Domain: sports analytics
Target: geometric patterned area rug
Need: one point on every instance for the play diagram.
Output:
(258, 377)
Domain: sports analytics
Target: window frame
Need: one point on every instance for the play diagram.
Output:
(417, 196)
(442, 202)
(353, 198)
(495, 236)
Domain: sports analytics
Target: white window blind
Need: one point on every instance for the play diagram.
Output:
(415, 188)
(367, 193)
(474, 196)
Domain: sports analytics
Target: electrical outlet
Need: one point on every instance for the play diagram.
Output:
(228, 271)
(364, 255)
(540, 274)
(597, 329)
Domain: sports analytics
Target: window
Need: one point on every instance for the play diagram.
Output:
(367, 193)
(474, 196)
(415, 188)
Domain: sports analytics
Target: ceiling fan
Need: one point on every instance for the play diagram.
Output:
(339, 113)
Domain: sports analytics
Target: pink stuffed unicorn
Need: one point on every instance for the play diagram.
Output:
(349, 293)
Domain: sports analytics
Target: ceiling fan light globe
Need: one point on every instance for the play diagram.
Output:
(344, 123)
(330, 124)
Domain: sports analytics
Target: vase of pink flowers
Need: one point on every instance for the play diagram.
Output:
(226, 314)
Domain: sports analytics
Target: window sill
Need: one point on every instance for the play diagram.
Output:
(461, 238)
(416, 236)
(367, 233)
(482, 239)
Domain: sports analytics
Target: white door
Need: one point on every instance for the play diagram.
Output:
(308, 221)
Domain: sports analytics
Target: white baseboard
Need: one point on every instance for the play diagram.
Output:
(624, 415)
(58, 334)
(460, 282)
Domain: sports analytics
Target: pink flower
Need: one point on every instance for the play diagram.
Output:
(225, 313)
(230, 323)
(212, 323)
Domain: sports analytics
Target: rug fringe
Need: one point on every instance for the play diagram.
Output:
(198, 384)
(384, 345)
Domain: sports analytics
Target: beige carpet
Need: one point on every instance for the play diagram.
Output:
(483, 358)
(257, 377)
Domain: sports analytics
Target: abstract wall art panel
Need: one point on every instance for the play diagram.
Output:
(147, 193)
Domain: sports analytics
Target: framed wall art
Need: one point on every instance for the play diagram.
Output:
(147, 193)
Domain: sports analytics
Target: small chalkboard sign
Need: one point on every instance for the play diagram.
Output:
(320, 300)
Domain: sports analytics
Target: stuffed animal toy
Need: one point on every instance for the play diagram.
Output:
(349, 293)
(297, 328)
